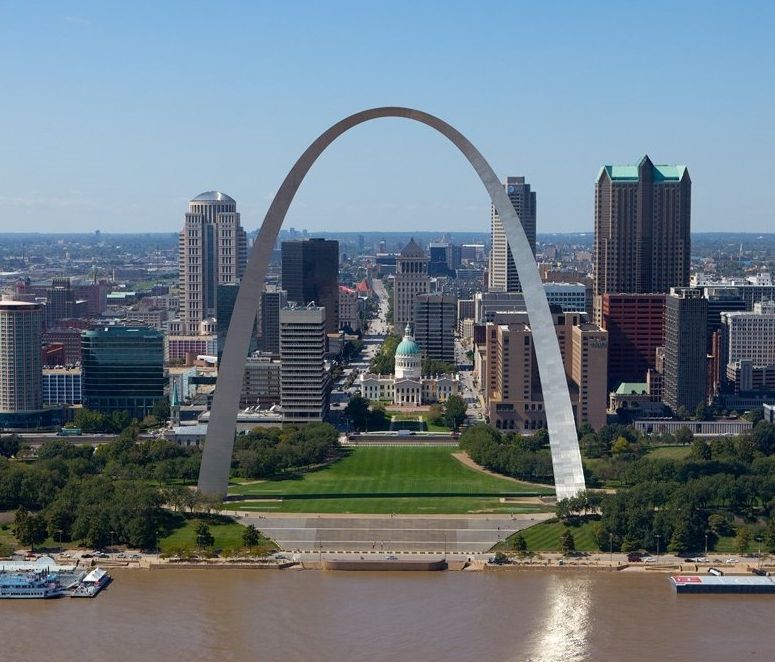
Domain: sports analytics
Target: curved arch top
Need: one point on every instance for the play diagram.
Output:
(566, 458)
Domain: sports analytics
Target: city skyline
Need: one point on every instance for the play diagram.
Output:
(576, 120)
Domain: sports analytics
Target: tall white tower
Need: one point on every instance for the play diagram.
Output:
(213, 251)
(503, 271)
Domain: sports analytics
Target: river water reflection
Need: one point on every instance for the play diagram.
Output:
(308, 615)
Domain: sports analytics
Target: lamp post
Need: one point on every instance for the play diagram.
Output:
(657, 536)
(611, 548)
(706, 544)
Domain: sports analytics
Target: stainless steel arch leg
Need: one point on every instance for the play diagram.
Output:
(216, 458)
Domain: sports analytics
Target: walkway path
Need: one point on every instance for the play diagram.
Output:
(463, 458)
(396, 533)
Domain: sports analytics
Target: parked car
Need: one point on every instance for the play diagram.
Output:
(634, 557)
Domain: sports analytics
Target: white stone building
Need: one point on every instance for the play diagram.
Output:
(407, 386)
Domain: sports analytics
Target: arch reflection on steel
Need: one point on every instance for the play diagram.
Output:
(216, 458)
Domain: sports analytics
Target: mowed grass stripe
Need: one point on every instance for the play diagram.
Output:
(430, 505)
(545, 537)
(392, 470)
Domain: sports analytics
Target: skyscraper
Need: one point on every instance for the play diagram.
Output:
(303, 377)
(60, 301)
(686, 321)
(642, 222)
(411, 279)
(435, 316)
(503, 270)
(212, 251)
(310, 273)
(123, 369)
(273, 300)
(20, 357)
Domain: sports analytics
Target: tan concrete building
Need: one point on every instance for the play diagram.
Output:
(21, 324)
(411, 279)
(349, 309)
(510, 380)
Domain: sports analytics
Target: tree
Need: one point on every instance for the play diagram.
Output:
(455, 411)
(703, 412)
(683, 436)
(161, 409)
(437, 367)
(742, 539)
(357, 410)
(700, 450)
(10, 445)
(719, 525)
(567, 542)
(769, 536)
(520, 544)
(250, 537)
(204, 538)
(621, 445)
(30, 528)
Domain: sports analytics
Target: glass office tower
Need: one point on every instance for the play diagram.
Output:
(123, 369)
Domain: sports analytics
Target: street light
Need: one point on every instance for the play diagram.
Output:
(611, 548)
(706, 544)
(657, 536)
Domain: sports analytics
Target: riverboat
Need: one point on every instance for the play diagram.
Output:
(91, 584)
(30, 585)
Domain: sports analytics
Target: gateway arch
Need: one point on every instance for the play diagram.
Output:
(216, 457)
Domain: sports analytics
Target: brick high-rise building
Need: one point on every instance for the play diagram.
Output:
(685, 368)
(411, 279)
(212, 251)
(642, 223)
(636, 327)
(503, 271)
(310, 274)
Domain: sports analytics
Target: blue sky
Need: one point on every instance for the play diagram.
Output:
(114, 114)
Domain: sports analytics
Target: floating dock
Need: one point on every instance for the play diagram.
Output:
(725, 584)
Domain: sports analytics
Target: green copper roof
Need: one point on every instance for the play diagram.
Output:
(630, 388)
(408, 347)
(629, 173)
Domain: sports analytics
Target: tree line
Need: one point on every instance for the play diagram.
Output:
(268, 452)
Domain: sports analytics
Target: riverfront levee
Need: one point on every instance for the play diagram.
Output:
(234, 615)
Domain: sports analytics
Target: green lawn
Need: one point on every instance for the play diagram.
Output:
(227, 534)
(545, 537)
(7, 541)
(390, 479)
(671, 452)
(399, 505)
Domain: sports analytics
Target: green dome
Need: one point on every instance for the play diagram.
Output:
(408, 347)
